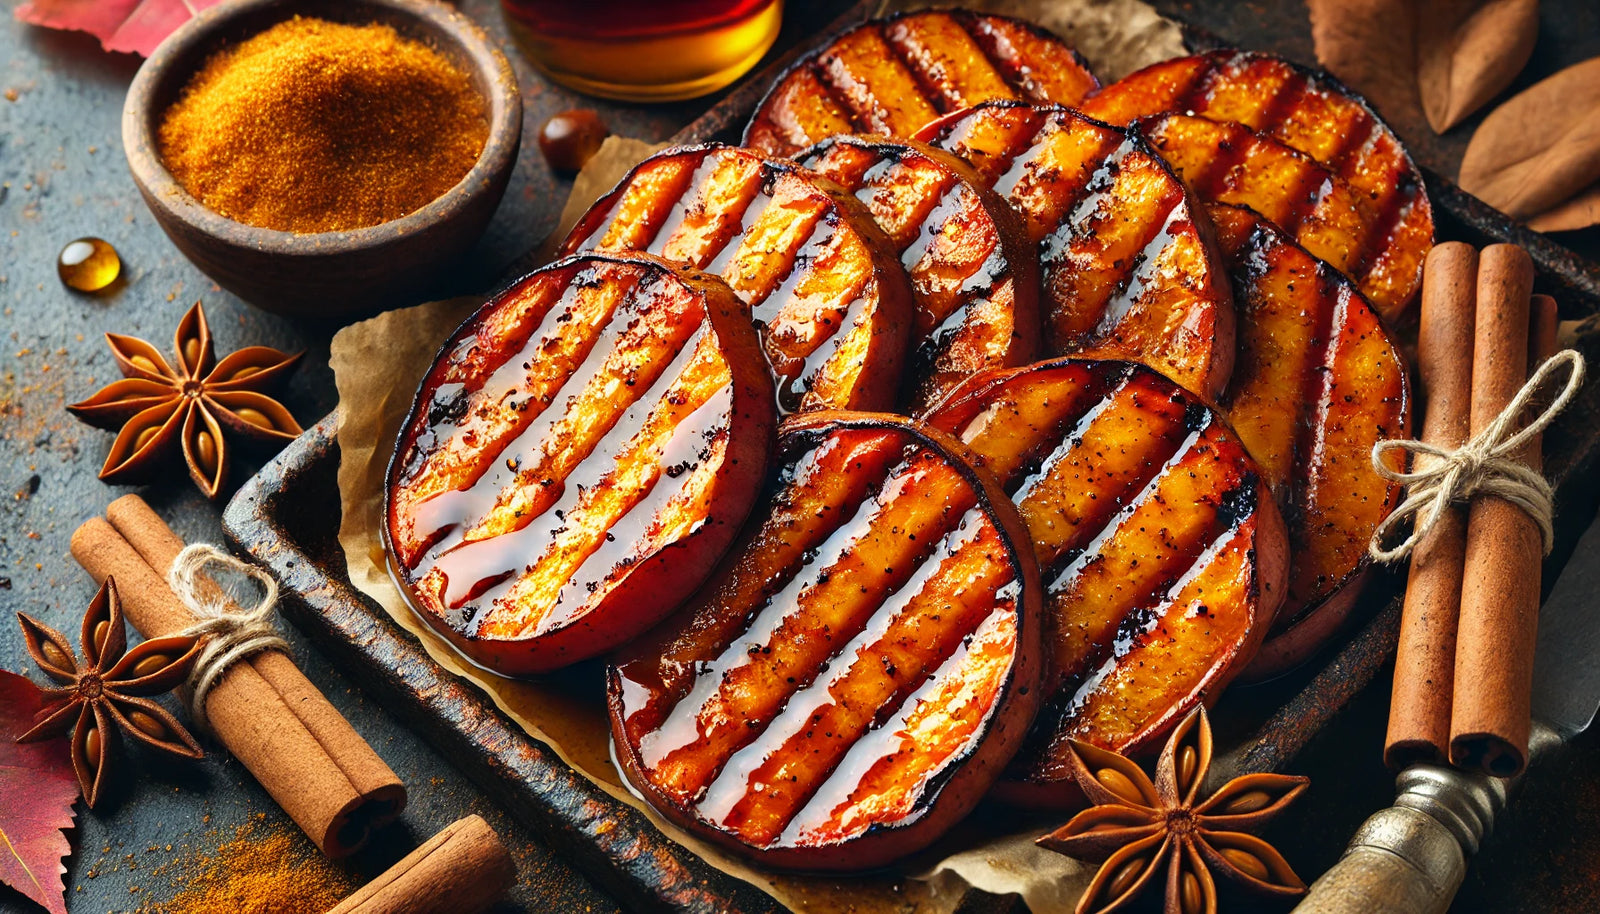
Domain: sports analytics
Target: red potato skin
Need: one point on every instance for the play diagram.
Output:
(965, 780)
(660, 581)
(1032, 780)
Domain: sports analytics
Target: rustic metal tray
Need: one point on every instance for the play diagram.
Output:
(281, 519)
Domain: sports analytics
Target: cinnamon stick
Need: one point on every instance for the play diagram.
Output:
(1491, 709)
(463, 869)
(263, 709)
(1424, 667)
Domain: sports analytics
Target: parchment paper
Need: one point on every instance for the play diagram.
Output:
(377, 367)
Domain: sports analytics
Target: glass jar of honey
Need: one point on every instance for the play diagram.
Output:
(644, 50)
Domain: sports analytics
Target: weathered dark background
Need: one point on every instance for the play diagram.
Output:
(62, 176)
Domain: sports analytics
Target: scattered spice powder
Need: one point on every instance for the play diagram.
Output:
(265, 869)
(316, 126)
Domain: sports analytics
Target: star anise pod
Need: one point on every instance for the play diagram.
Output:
(1144, 832)
(109, 693)
(198, 403)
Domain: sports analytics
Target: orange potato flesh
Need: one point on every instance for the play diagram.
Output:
(824, 285)
(892, 76)
(579, 455)
(1301, 108)
(1316, 384)
(859, 670)
(974, 278)
(1381, 248)
(1162, 554)
(1128, 266)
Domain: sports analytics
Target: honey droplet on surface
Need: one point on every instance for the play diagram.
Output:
(88, 264)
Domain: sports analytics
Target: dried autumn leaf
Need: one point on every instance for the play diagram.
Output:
(1541, 147)
(131, 26)
(1470, 50)
(1370, 45)
(1581, 211)
(37, 789)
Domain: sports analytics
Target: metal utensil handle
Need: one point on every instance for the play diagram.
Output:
(1411, 857)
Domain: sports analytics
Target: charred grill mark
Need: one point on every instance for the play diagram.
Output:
(885, 74)
(1343, 366)
(805, 257)
(1314, 114)
(629, 449)
(1125, 268)
(764, 713)
(1138, 500)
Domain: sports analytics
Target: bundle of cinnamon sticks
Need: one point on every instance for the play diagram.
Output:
(1464, 667)
(263, 709)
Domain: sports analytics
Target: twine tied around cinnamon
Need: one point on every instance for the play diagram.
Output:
(232, 632)
(1484, 465)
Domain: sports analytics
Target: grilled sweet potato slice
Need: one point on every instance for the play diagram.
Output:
(892, 76)
(1162, 553)
(1378, 245)
(823, 283)
(974, 277)
(1300, 107)
(1317, 382)
(861, 668)
(1128, 264)
(582, 451)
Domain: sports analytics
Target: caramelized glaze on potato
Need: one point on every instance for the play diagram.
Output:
(1128, 264)
(582, 451)
(974, 277)
(1316, 384)
(822, 281)
(1162, 554)
(1380, 244)
(892, 76)
(1302, 108)
(860, 669)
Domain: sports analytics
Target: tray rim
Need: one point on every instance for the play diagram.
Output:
(618, 846)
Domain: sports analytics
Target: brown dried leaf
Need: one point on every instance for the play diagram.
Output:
(1540, 148)
(1370, 44)
(1580, 212)
(1468, 51)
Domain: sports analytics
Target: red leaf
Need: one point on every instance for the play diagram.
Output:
(37, 788)
(135, 26)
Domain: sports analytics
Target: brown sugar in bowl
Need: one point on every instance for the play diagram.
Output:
(327, 274)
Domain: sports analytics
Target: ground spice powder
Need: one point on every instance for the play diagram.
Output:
(316, 126)
(265, 869)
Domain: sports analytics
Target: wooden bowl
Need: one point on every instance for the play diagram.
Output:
(327, 274)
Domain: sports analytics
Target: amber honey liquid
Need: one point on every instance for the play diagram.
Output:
(644, 50)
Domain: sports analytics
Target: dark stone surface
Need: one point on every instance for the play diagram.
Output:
(62, 176)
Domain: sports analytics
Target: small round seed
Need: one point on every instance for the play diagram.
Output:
(1119, 784)
(101, 630)
(191, 352)
(145, 363)
(145, 435)
(205, 452)
(1245, 862)
(91, 747)
(253, 416)
(1188, 761)
(1191, 900)
(1250, 801)
(148, 724)
(1125, 877)
(154, 663)
(245, 372)
(57, 657)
